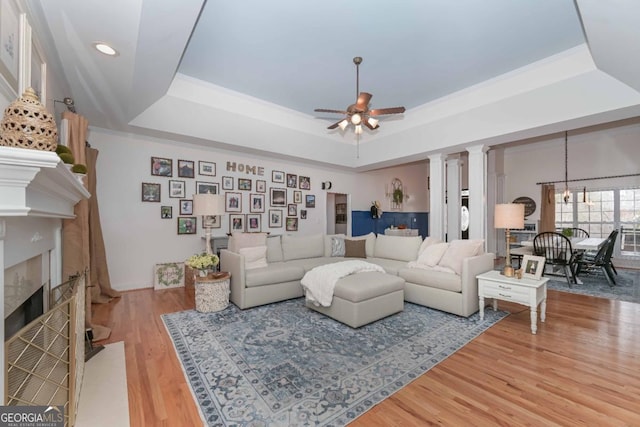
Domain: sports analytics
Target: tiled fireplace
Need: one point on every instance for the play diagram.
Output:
(36, 192)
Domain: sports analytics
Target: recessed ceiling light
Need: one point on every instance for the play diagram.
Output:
(105, 48)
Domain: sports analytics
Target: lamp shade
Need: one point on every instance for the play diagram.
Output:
(208, 204)
(509, 215)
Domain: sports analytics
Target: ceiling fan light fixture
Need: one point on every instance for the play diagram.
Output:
(373, 122)
(358, 129)
(343, 124)
(356, 119)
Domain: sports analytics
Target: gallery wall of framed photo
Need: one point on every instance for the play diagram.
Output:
(256, 199)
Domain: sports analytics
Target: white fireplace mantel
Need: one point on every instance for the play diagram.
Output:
(37, 183)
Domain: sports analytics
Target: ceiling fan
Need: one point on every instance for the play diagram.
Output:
(359, 113)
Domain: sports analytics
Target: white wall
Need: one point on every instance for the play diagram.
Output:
(604, 151)
(136, 238)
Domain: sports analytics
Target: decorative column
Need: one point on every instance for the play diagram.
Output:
(436, 195)
(454, 201)
(478, 191)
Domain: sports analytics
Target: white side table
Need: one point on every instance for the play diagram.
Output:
(493, 284)
(212, 292)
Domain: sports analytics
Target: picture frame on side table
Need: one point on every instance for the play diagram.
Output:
(187, 224)
(150, 192)
(533, 266)
(206, 168)
(275, 218)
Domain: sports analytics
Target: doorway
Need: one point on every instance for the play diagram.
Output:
(337, 213)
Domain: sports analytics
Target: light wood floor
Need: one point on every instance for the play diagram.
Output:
(582, 368)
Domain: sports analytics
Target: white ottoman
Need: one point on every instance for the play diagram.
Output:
(362, 298)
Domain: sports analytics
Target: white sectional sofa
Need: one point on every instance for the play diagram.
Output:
(438, 275)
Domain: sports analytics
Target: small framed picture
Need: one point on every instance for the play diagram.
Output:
(305, 183)
(166, 212)
(292, 209)
(310, 201)
(532, 266)
(303, 214)
(254, 223)
(227, 183)
(186, 207)
(236, 223)
(212, 221)
(277, 176)
(206, 168)
(168, 275)
(292, 180)
(161, 166)
(187, 224)
(186, 169)
(256, 203)
(244, 184)
(292, 224)
(278, 197)
(261, 186)
(297, 196)
(275, 218)
(150, 192)
(233, 202)
(176, 189)
(206, 187)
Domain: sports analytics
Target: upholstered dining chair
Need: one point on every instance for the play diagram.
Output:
(557, 250)
(590, 263)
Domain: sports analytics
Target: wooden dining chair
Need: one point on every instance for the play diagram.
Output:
(590, 263)
(557, 250)
(579, 232)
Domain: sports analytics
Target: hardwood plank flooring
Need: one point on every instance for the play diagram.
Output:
(581, 369)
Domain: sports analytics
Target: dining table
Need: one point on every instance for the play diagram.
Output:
(578, 243)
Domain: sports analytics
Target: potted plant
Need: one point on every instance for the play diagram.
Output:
(398, 196)
(568, 232)
(202, 263)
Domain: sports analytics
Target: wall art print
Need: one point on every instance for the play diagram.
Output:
(206, 168)
(168, 275)
(161, 166)
(186, 169)
(150, 192)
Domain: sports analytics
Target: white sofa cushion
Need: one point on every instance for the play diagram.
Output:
(459, 250)
(274, 249)
(299, 247)
(370, 244)
(255, 257)
(401, 248)
(238, 241)
(327, 242)
(428, 241)
(432, 254)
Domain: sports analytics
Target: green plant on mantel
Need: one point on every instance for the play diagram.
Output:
(67, 158)
(398, 196)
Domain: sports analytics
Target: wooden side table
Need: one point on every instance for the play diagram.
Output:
(212, 292)
(528, 292)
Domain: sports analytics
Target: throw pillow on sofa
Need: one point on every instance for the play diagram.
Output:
(432, 254)
(428, 241)
(255, 257)
(355, 248)
(238, 241)
(337, 246)
(327, 242)
(459, 250)
(370, 240)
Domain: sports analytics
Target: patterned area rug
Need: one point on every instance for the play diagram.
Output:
(627, 286)
(283, 364)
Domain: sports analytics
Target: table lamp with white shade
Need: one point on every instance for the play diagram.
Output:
(207, 204)
(508, 216)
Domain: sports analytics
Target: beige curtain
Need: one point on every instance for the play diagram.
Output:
(76, 244)
(547, 208)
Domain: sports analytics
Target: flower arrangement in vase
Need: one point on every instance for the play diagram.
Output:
(202, 262)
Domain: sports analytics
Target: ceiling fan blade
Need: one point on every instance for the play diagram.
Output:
(381, 111)
(335, 125)
(325, 110)
(363, 100)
